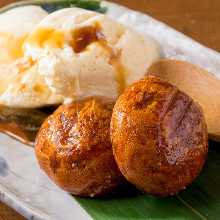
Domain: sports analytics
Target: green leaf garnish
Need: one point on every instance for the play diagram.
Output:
(53, 5)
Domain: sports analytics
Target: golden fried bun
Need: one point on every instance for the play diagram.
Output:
(74, 148)
(205, 90)
(159, 137)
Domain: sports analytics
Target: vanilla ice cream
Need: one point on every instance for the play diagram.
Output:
(15, 25)
(75, 53)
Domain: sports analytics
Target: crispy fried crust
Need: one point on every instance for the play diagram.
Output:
(73, 147)
(196, 82)
(159, 137)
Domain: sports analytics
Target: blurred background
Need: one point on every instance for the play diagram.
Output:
(199, 20)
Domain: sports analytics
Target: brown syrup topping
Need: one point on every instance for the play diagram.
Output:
(120, 72)
(85, 36)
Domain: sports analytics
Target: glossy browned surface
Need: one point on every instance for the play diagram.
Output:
(198, 20)
(159, 137)
(74, 148)
(206, 90)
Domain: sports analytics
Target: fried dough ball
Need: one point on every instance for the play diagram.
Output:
(159, 137)
(74, 148)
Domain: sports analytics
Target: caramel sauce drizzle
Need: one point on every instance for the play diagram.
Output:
(81, 39)
(14, 45)
(16, 48)
(84, 36)
(25, 65)
(47, 36)
(120, 73)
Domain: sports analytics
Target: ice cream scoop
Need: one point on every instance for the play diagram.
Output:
(75, 53)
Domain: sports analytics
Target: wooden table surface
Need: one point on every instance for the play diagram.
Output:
(197, 19)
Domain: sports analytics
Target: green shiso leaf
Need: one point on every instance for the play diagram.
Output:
(199, 201)
(53, 5)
